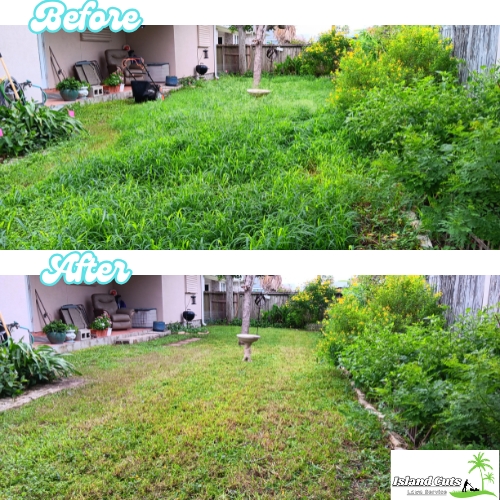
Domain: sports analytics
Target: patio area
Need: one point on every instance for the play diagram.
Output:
(55, 101)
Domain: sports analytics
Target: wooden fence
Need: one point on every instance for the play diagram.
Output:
(214, 304)
(478, 45)
(228, 59)
(466, 292)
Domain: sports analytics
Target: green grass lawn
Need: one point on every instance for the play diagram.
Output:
(159, 422)
(208, 168)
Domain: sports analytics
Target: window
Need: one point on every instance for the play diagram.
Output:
(204, 33)
(220, 40)
(207, 288)
(222, 287)
(191, 283)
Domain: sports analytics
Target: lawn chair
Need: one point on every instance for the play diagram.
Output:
(77, 315)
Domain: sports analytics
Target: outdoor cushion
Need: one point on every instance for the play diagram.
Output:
(120, 317)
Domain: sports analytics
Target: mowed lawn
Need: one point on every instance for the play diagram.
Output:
(160, 422)
(208, 168)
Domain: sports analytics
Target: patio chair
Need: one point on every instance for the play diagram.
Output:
(121, 318)
(115, 61)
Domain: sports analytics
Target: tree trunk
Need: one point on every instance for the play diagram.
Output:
(242, 50)
(257, 63)
(247, 303)
(229, 299)
(477, 45)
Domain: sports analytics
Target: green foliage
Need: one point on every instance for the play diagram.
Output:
(438, 140)
(27, 127)
(100, 323)
(290, 66)
(307, 306)
(384, 57)
(56, 326)
(21, 366)
(434, 382)
(321, 58)
(70, 83)
(268, 177)
(113, 80)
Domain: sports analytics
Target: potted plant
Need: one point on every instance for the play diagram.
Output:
(68, 88)
(84, 90)
(99, 327)
(112, 83)
(71, 331)
(56, 331)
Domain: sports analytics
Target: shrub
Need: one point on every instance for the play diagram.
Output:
(307, 306)
(21, 366)
(113, 80)
(403, 55)
(438, 140)
(101, 323)
(434, 382)
(321, 58)
(27, 127)
(69, 84)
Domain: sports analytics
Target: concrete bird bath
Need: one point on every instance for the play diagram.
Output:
(247, 340)
(258, 92)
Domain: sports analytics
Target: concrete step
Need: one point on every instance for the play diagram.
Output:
(138, 338)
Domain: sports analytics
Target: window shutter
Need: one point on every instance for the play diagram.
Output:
(191, 283)
(204, 35)
(101, 36)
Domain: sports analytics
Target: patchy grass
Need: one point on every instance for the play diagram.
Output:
(208, 168)
(196, 422)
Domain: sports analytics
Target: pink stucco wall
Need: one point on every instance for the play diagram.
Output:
(155, 44)
(68, 49)
(19, 48)
(176, 300)
(14, 303)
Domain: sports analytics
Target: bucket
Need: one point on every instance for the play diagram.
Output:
(171, 81)
(158, 326)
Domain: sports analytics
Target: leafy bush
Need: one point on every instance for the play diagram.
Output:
(21, 366)
(290, 66)
(307, 306)
(438, 140)
(402, 55)
(321, 58)
(27, 127)
(113, 80)
(434, 382)
(56, 326)
(70, 83)
(392, 302)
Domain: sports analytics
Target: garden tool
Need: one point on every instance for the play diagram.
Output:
(9, 78)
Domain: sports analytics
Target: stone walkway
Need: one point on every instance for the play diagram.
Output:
(182, 342)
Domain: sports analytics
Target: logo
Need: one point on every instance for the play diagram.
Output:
(53, 15)
(83, 267)
(458, 473)
(479, 463)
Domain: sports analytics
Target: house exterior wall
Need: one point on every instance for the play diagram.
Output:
(14, 304)
(187, 52)
(68, 49)
(143, 292)
(19, 48)
(53, 297)
(176, 300)
(155, 44)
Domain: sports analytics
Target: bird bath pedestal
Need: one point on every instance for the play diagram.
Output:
(246, 341)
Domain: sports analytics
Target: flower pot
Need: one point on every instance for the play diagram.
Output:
(122, 87)
(70, 336)
(99, 333)
(83, 93)
(111, 89)
(108, 334)
(69, 95)
(56, 337)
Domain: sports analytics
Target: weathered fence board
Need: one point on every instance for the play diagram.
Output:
(228, 59)
(460, 293)
(215, 304)
(478, 45)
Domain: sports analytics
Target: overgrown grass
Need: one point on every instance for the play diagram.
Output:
(208, 168)
(196, 422)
